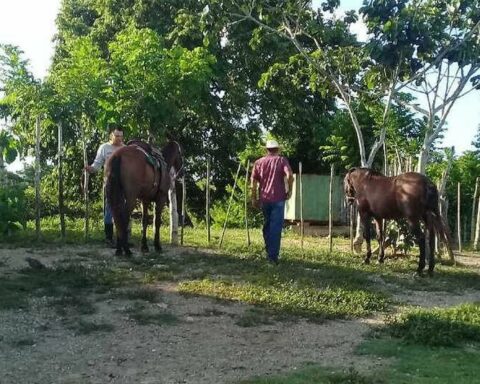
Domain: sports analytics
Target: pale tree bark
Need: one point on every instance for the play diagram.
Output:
(474, 210)
(172, 197)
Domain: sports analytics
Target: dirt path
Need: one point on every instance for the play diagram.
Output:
(204, 345)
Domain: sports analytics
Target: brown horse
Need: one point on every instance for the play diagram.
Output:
(411, 196)
(130, 176)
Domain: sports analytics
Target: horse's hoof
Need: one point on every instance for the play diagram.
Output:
(381, 261)
(118, 252)
(419, 274)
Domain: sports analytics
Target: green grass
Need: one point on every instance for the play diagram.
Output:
(318, 375)
(437, 327)
(422, 364)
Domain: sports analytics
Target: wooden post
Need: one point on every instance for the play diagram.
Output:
(459, 221)
(474, 208)
(246, 203)
(330, 209)
(207, 203)
(230, 203)
(37, 177)
(302, 224)
(352, 213)
(85, 183)
(184, 199)
(61, 204)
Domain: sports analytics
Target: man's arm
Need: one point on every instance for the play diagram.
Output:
(98, 162)
(254, 187)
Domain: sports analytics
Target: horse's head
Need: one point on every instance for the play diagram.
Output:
(173, 155)
(349, 186)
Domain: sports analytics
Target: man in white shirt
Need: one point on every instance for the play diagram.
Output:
(104, 152)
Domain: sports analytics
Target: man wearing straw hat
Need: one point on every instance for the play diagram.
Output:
(268, 176)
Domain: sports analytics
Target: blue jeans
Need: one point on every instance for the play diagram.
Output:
(107, 212)
(273, 214)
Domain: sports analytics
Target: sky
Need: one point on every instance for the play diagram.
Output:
(30, 25)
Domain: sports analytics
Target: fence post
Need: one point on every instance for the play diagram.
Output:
(459, 221)
(246, 202)
(207, 203)
(37, 177)
(302, 224)
(330, 209)
(61, 204)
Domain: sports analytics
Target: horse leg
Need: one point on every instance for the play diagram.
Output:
(381, 240)
(430, 226)
(130, 204)
(420, 237)
(145, 205)
(366, 235)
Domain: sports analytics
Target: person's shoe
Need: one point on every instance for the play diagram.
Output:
(273, 262)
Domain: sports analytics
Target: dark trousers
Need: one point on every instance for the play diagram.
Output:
(273, 214)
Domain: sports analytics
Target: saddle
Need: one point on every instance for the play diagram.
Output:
(154, 157)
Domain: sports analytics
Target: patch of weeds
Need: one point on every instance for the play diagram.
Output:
(421, 364)
(437, 327)
(254, 317)
(4, 261)
(73, 305)
(150, 316)
(83, 327)
(292, 298)
(139, 293)
(319, 375)
(24, 342)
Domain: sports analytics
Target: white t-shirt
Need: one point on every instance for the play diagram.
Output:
(104, 152)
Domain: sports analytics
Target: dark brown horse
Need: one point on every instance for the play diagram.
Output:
(130, 176)
(411, 196)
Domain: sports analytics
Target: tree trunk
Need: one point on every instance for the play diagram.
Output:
(474, 207)
(477, 228)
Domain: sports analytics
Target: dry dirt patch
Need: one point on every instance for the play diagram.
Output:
(205, 345)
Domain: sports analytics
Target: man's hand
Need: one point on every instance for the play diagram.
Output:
(255, 203)
(289, 194)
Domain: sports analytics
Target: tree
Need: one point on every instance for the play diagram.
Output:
(436, 46)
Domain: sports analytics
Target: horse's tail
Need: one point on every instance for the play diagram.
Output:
(436, 219)
(115, 194)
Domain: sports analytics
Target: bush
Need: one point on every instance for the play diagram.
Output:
(12, 204)
(236, 217)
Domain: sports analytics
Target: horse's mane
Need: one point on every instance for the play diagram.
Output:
(367, 171)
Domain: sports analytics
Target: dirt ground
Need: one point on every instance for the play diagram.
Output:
(204, 346)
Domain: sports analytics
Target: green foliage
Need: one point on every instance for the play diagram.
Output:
(12, 204)
(438, 327)
(236, 214)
